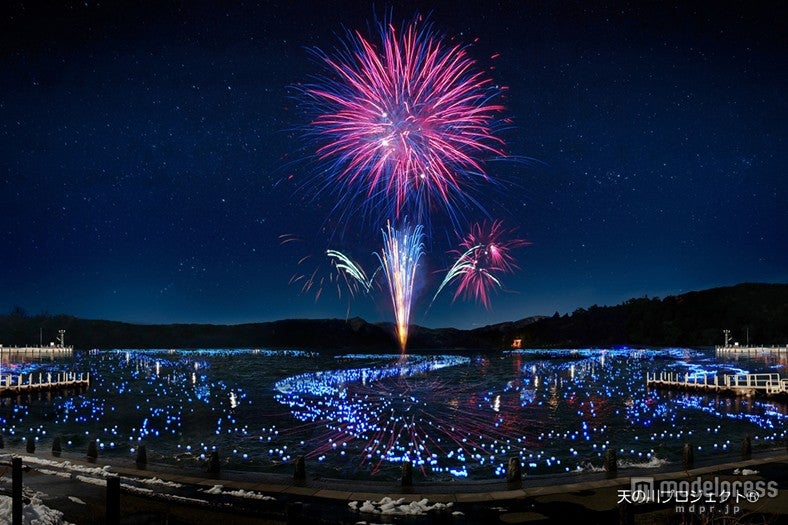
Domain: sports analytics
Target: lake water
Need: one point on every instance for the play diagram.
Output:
(360, 416)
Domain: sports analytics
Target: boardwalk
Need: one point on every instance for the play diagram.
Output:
(752, 350)
(21, 384)
(14, 353)
(738, 384)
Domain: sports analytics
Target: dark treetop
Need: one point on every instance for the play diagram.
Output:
(757, 311)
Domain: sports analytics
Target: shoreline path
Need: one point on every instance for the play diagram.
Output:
(158, 494)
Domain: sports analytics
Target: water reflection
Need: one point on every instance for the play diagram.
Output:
(361, 415)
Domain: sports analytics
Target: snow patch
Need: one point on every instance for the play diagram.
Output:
(91, 481)
(34, 513)
(653, 462)
(157, 481)
(67, 465)
(388, 506)
(240, 493)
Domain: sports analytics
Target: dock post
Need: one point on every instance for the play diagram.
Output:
(30, 445)
(56, 446)
(16, 491)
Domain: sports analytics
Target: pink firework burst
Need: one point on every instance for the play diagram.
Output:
(485, 253)
(404, 122)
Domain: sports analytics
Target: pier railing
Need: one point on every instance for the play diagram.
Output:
(766, 383)
(755, 349)
(36, 350)
(19, 383)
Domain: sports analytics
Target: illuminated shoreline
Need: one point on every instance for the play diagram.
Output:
(361, 416)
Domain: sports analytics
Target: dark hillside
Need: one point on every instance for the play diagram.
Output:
(759, 311)
(691, 319)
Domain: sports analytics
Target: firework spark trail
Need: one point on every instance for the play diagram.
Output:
(461, 266)
(412, 118)
(402, 249)
(403, 121)
(350, 268)
(341, 273)
(491, 237)
(486, 253)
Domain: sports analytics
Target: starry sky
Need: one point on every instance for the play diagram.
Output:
(152, 158)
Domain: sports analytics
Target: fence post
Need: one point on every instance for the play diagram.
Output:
(407, 474)
(113, 500)
(626, 516)
(611, 462)
(688, 456)
(16, 491)
(514, 473)
(746, 447)
(141, 459)
(214, 465)
(92, 450)
(299, 473)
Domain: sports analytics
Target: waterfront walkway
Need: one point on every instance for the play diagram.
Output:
(77, 488)
(11, 384)
(737, 384)
(749, 350)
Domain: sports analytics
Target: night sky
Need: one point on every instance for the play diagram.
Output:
(152, 156)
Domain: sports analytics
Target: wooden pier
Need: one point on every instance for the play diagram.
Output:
(25, 383)
(737, 384)
(15, 352)
(750, 350)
